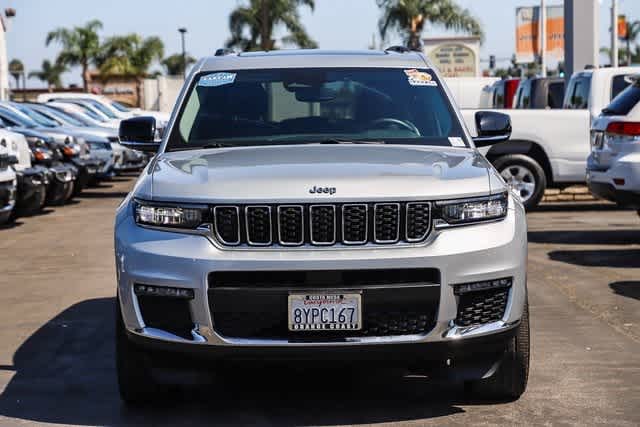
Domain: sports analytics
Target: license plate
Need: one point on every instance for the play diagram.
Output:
(325, 311)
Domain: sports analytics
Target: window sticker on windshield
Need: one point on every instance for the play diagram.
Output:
(419, 78)
(456, 141)
(217, 79)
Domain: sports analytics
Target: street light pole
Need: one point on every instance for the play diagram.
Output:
(183, 31)
(543, 38)
(614, 33)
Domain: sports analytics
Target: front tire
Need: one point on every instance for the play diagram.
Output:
(510, 379)
(135, 383)
(524, 175)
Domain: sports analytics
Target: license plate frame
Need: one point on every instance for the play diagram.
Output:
(324, 301)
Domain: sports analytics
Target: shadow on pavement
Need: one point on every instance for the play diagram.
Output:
(65, 374)
(629, 289)
(577, 207)
(618, 258)
(88, 194)
(586, 237)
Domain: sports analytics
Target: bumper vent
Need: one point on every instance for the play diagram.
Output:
(322, 225)
(477, 308)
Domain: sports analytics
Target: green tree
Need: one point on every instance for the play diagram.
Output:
(80, 46)
(633, 31)
(50, 74)
(175, 64)
(16, 69)
(129, 55)
(409, 18)
(252, 26)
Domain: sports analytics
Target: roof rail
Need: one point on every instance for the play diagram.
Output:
(398, 49)
(224, 51)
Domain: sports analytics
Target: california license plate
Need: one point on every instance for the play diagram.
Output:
(325, 311)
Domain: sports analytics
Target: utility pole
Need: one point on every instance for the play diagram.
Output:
(543, 38)
(183, 31)
(614, 33)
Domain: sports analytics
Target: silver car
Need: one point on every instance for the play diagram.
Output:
(324, 207)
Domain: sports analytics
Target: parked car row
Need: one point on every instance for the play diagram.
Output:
(50, 151)
(549, 143)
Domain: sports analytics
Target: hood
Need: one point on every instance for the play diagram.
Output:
(290, 174)
(94, 133)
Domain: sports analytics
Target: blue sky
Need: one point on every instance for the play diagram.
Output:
(335, 24)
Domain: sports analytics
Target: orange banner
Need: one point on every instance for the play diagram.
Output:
(528, 29)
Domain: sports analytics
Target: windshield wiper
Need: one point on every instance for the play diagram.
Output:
(342, 141)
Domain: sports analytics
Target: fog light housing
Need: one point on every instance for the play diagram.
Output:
(163, 291)
(484, 285)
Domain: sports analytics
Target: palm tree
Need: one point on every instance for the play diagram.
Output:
(16, 69)
(50, 74)
(633, 31)
(175, 64)
(261, 17)
(130, 55)
(80, 46)
(410, 16)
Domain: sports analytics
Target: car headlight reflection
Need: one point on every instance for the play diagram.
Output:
(479, 209)
(169, 216)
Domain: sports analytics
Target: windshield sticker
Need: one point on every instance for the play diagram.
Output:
(217, 79)
(456, 141)
(419, 78)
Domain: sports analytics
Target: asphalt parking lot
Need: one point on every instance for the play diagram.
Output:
(57, 353)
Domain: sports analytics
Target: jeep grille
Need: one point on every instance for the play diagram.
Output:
(322, 224)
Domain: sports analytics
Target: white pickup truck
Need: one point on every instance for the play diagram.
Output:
(549, 148)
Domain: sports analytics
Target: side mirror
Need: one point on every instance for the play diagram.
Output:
(492, 128)
(138, 133)
(13, 160)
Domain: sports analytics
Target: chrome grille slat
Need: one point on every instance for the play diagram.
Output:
(322, 224)
(386, 222)
(291, 225)
(355, 224)
(327, 224)
(417, 221)
(258, 224)
(227, 224)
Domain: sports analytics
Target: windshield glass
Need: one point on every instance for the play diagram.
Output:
(104, 110)
(89, 112)
(58, 116)
(294, 106)
(120, 107)
(36, 116)
(18, 119)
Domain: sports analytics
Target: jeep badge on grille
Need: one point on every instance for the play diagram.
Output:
(321, 190)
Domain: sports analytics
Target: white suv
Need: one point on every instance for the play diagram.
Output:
(613, 167)
(321, 206)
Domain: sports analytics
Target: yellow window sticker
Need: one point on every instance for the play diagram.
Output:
(419, 78)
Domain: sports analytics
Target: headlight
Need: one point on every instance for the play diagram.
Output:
(169, 216)
(474, 210)
(64, 176)
(34, 140)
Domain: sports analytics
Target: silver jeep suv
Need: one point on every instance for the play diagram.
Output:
(321, 206)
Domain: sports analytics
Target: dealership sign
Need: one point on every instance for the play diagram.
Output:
(528, 30)
(454, 56)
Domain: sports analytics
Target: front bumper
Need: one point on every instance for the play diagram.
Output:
(32, 189)
(619, 183)
(461, 255)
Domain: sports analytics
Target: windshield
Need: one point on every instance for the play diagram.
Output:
(120, 107)
(58, 116)
(104, 110)
(89, 112)
(17, 119)
(36, 116)
(294, 106)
